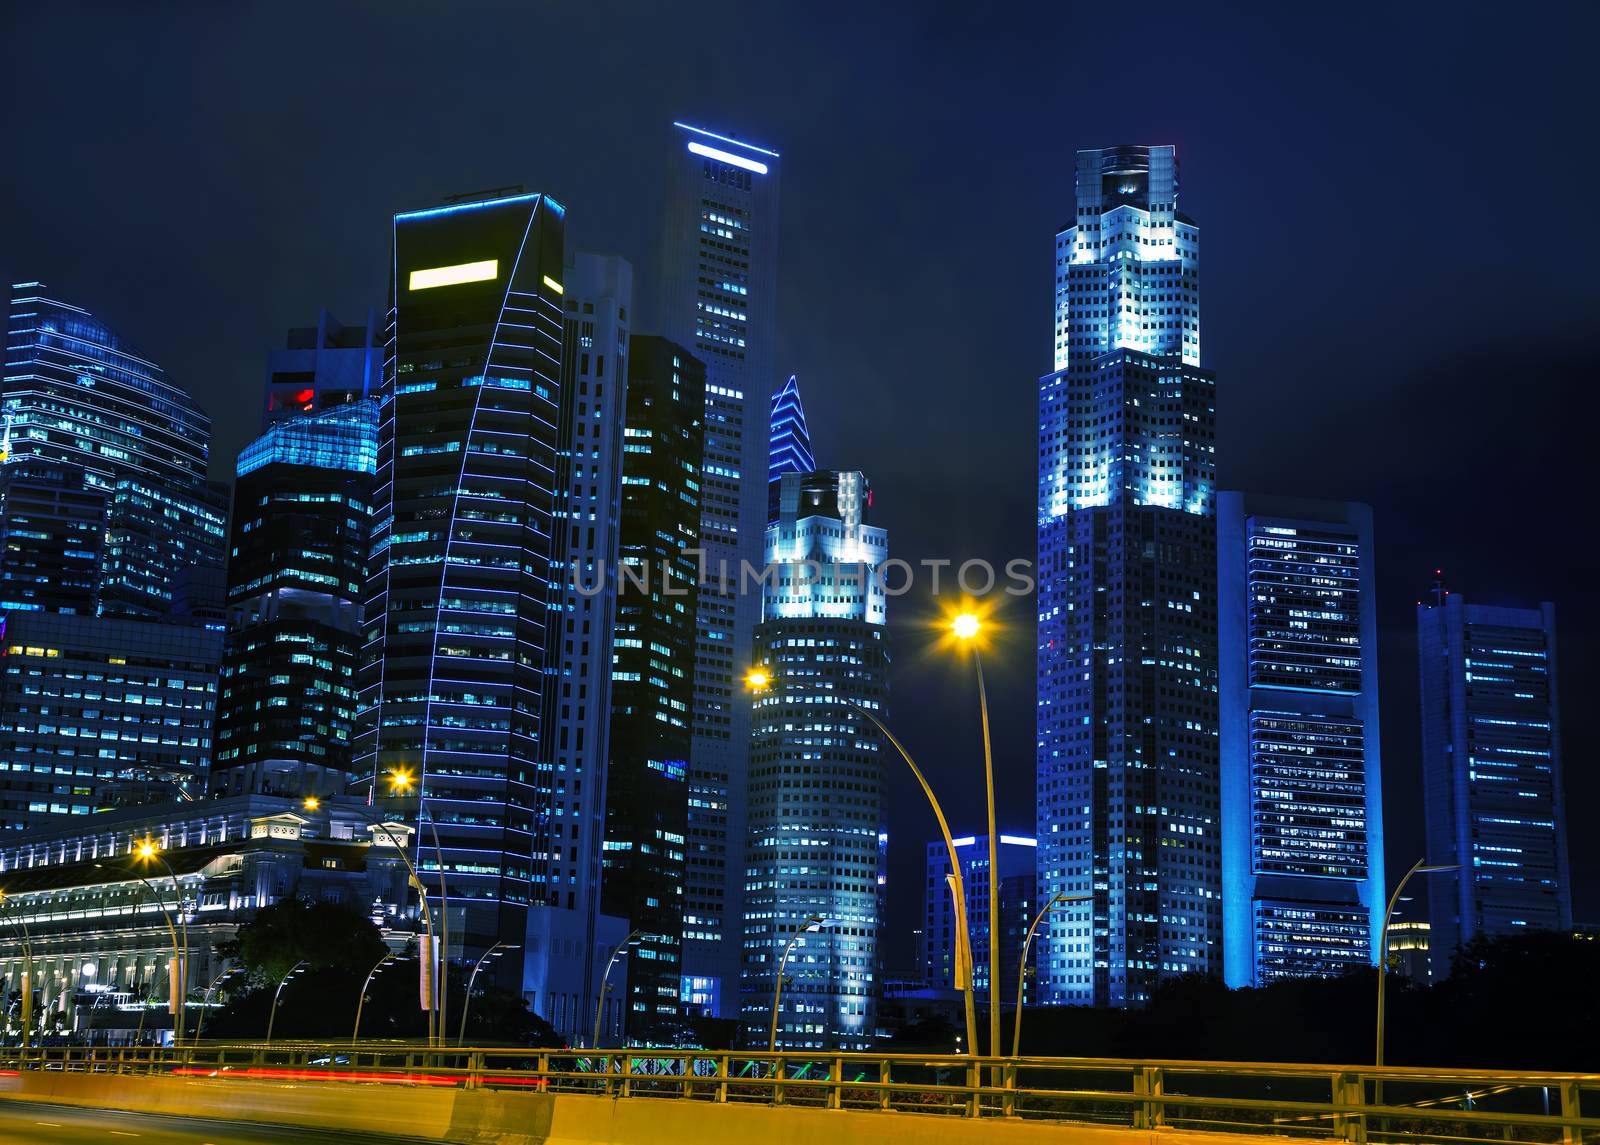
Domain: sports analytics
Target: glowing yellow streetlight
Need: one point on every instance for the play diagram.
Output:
(965, 626)
(757, 679)
(147, 850)
(312, 803)
(400, 780)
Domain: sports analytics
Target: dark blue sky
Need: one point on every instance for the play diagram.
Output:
(1397, 209)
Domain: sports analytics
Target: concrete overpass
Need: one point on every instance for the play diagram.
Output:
(661, 1097)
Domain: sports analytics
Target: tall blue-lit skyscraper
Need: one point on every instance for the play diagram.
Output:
(1302, 805)
(788, 442)
(719, 288)
(1127, 781)
(76, 392)
(816, 767)
(457, 600)
(1491, 772)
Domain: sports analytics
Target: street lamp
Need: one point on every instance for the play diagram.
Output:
(494, 951)
(272, 1017)
(758, 679)
(600, 1007)
(1417, 868)
(1022, 966)
(400, 780)
(812, 924)
(205, 1001)
(178, 979)
(361, 998)
(957, 883)
(966, 627)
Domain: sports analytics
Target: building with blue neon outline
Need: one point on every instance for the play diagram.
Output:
(1491, 773)
(1302, 776)
(458, 593)
(788, 441)
(1126, 767)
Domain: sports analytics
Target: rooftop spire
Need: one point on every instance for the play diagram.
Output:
(789, 442)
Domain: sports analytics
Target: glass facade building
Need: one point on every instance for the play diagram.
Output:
(816, 815)
(1127, 779)
(74, 391)
(1302, 807)
(97, 711)
(1491, 773)
(52, 530)
(458, 594)
(653, 670)
(297, 573)
(719, 292)
(1019, 903)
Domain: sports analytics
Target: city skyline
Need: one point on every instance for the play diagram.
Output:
(844, 428)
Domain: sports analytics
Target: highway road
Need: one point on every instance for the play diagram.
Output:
(28, 1123)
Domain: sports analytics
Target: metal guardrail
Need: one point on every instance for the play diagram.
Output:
(1319, 1102)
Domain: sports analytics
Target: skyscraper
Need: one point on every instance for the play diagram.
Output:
(1127, 783)
(1491, 773)
(323, 366)
(788, 442)
(457, 598)
(816, 768)
(1019, 895)
(1302, 806)
(594, 380)
(653, 674)
(97, 711)
(52, 527)
(297, 573)
(719, 280)
(74, 391)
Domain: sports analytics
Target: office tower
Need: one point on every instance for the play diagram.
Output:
(76, 392)
(653, 674)
(297, 572)
(588, 482)
(1302, 806)
(1019, 903)
(52, 525)
(1126, 702)
(1491, 772)
(458, 582)
(816, 768)
(97, 711)
(323, 366)
(788, 442)
(719, 279)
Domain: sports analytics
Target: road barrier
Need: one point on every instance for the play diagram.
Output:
(1341, 1103)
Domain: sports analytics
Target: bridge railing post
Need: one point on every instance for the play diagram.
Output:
(1008, 1079)
(722, 1078)
(886, 1080)
(1349, 1090)
(836, 1083)
(1149, 1082)
(779, 1070)
(1571, 1110)
(974, 1079)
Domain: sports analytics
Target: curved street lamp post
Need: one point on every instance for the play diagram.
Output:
(1420, 867)
(272, 1016)
(812, 924)
(494, 951)
(600, 1007)
(1022, 965)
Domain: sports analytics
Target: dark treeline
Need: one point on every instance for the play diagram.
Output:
(1527, 1002)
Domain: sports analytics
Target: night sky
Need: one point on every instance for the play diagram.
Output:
(1399, 257)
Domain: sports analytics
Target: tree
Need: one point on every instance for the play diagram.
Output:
(322, 934)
